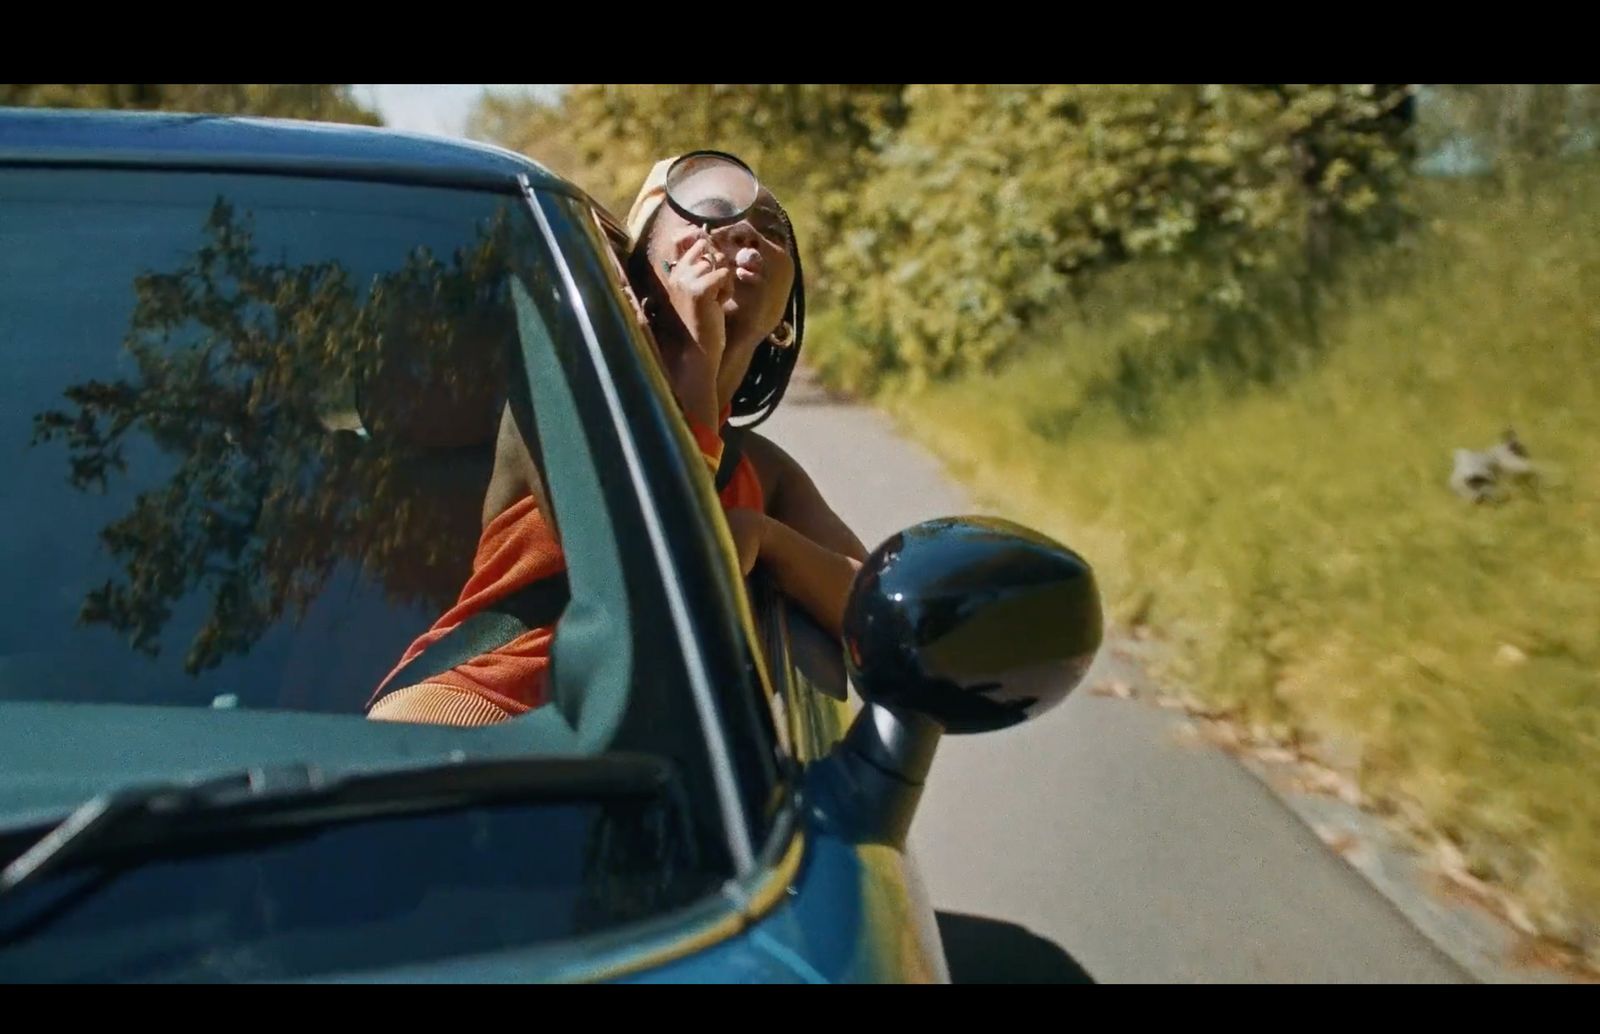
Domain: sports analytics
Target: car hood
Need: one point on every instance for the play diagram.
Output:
(54, 756)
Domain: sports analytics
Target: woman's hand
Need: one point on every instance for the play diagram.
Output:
(697, 284)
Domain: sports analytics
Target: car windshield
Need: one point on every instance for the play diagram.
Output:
(249, 424)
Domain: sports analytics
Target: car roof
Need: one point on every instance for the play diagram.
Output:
(167, 140)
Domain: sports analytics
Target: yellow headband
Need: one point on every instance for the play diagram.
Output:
(650, 197)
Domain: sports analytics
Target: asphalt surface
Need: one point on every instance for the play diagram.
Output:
(1140, 854)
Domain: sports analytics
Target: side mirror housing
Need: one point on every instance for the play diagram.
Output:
(976, 623)
(958, 625)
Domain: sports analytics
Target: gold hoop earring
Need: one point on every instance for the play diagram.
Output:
(783, 337)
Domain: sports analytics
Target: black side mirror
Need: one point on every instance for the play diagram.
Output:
(962, 624)
(976, 623)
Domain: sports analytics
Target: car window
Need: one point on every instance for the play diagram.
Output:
(812, 698)
(249, 423)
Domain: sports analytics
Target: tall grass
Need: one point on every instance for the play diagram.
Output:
(1294, 538)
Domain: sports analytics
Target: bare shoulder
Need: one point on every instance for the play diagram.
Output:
(773, 462)
(780, 473)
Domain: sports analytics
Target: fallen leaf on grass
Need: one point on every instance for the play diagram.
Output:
(1117, 688)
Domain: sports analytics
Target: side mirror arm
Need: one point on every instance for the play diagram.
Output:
(868, 787)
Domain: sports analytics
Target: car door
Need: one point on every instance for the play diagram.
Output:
(808, 672)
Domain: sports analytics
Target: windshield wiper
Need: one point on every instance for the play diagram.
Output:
(99, 819)
(299, 795)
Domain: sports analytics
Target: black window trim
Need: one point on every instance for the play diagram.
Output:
(729, 799)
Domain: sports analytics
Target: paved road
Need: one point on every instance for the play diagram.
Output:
(1142, 855)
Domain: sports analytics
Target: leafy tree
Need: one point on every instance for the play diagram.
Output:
(325, 102)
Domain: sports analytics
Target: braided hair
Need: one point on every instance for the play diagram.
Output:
(771, 367)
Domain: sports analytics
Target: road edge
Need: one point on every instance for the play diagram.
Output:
(1485, 945)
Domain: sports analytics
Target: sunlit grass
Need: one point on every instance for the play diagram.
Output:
(1298, 544)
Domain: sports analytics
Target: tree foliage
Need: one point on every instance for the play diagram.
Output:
(323, 102)
(942, 222)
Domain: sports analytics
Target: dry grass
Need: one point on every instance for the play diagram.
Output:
(1298, 545)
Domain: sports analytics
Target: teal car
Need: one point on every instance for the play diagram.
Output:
(253, 376)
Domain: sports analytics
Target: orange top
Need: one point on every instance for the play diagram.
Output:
(517, 548)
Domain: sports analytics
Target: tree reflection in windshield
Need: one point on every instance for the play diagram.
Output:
(311, 418)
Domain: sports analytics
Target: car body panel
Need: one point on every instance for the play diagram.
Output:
(816, 906)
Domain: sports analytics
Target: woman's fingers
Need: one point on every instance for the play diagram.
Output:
(717, 284)
(712, 278)
(696, 252)
(700, 260)
(704, 246)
